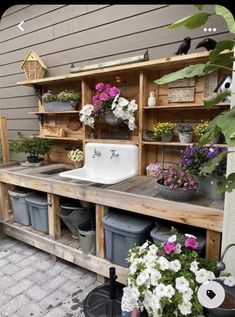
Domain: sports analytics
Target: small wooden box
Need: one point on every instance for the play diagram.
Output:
(49, 130)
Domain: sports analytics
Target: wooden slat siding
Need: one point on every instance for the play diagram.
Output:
(13, 9)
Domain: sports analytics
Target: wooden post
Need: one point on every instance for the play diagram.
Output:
(213, 243)
(4, 140)
(53, 216)
(101, 211)
(4, 202)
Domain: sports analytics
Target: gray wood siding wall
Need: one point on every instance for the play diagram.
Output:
(83, 34)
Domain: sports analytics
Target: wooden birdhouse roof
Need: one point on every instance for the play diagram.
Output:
(33, 56)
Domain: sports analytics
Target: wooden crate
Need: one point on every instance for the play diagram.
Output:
(49, 130)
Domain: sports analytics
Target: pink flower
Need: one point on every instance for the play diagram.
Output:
(114, 91)
(99, 86)
(169, 247)
(104, 97)
(95, 99)
(191, 243)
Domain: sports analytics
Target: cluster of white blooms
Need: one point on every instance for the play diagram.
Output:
(125, 110)
(86, 115)
(157, 279)
(76, 155)
(228, 280)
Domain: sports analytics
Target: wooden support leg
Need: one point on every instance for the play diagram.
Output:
(101, 211)
(4, 202)
(53, 216)
(213, 244)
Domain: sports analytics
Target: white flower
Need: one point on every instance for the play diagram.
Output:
(151, 301)
(175, 265)
(229, 281)
(163, 262)
(142, 277)
(194, 266)
(202, 276)
(155, 275)
(185, 308)
(178, 248)
(129, 302)
(172, 238)
(160, 290)
(190, 236)
(153, 249)
(187, 295)
(181, 284)
(144, 246)
(169, 291)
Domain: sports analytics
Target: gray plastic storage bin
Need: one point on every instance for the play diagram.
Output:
(87, 237)
(122, 231)
(161, 233)
(20, 208)
(73, 215)
(38, 210)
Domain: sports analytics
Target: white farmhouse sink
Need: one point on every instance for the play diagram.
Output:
(106, 163)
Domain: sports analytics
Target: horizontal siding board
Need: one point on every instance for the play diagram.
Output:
(13, 9)
(21, 102)
(25, 124)
(27, 13)
(21, 113)
(16, 91)
(13, 135)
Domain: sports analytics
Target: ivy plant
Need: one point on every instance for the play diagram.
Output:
(224, 122)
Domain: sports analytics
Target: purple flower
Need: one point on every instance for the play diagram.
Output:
(99, 86)
(191, 243)
(169, 247)
(114, 91)
(103, 96)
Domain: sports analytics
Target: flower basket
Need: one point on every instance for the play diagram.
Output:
(178, 194)
(54, 106)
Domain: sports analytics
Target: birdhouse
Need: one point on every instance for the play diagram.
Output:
(33, 66)
(225, 85)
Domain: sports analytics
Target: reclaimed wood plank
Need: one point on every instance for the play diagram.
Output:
(53, 216)
(213, 245)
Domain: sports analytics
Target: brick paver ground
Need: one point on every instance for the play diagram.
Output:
(32, 285)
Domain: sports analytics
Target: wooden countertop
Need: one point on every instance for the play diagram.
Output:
(137, 194)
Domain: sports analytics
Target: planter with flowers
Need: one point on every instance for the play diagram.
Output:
(164, 130)
(194, 158)
(66, 100)
(109, 104)
(77, 157)
(185, 132)
(201, 128)
(175, 183)
(164, 278)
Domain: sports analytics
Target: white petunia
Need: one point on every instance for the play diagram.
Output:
(187, 295)
(178, 248)
(128, 301)
(175, 265)
(152, 250)
(160, 290)
(190, 236)
(142, 277)
(181, 284)
(163, 262)
(155, 275)
(144, 246)
(172, 238)
(194, 266)
(229, 281)
(185, 308)
(202, 276)
(169, 291)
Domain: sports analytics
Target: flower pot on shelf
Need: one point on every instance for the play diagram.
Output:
(185, 137)
(33, 159)
(111, 119)
(207, 186)
(178, 194)
(167, 138)
(54, 106)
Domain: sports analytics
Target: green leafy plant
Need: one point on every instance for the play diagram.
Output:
(163, 128)
(65, 95)
(31, 145)
(225, 122)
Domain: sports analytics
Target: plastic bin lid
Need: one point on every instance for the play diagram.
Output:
(39, 199)
(162, 233)
(127, 223)
(20, 191)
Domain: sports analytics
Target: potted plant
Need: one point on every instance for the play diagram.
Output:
(164, 277)
(33, 146)
(108, 103)
(175, 183)
(66, 100)
(194, 159)
(185, 132)
(201, 128)
(164, 130)
(77, 157)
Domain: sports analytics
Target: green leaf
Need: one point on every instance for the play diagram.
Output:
(199, 6)
(216, 99)
(211, 164)
(226, 122)
(220, 47)
(187, 72)
(229, 184)
(227, 15)
(211, 132)
(191, 22)
(217, 62)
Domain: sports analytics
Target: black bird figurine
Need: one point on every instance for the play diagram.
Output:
(208, 43)
(184, 46)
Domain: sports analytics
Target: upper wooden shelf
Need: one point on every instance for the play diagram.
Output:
(147, 65)
(178, 144)
(59, 138)
(185, 105)
(109, 141)
(56, 112)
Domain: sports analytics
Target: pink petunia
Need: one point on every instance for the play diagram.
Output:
(191, 242)
(169, 247)
(95, 99)
(104, 97)
(99, 86)
(114, 91)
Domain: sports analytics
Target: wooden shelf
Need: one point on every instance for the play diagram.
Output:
(58, 138)
(108, 141)
(177, 144)
(185, 105)
(56, 112)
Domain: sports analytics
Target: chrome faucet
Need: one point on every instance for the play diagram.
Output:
(114, 154)
(96, 153)
(220, 264)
